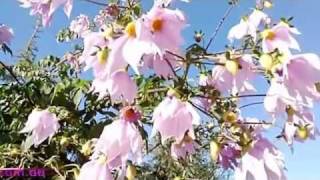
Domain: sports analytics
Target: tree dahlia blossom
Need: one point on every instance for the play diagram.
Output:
(263, 161)
(186, 147)
(234, 75)
(248, 26)
(95, 53)
(46, 8)
(279, 37)
(119, 85)
(162, 27)
(290, 87)
(95, 170)
(80, 26)
(42, 124)
(228, 156)
(6, 34)
(299, 126)
(121, 140)
(173, 118)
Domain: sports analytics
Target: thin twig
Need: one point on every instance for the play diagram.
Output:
(255, 123)
(154, 147)
(11, 73)
(215, 33)
(203, 111)
(251, 104)
(171, 67)
(16, 79)
(243, 96)
(97, 3)
(176, 55)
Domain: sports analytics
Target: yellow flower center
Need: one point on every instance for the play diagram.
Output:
(302, 132)
(131, 29)
(268, 34)
(229, 116)
(266, 61)
(103, 55)
(232, 66)
(157, 25)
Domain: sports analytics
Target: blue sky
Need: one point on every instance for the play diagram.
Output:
(202, 14)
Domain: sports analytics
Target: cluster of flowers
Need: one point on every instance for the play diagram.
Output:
(149, 42)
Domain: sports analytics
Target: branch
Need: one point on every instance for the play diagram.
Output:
(16, 79)
(171, 67)
(243, 96)
(251, 104)
(255, 123)
(96, 3)
(203, 111)
(215, 33)
(176, 55)
(11, 73)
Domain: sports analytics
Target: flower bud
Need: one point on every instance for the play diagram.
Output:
(64, 141)
(266, 61)
(232, 66)
(198, 36)
(302, 132)
(230, 117)
(214, 150)
(86, 148)
(131, 29)
(267, 4)
(131, 172)
(103, 55)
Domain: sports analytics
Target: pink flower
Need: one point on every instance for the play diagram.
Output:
(228, 156)
(184, 148)
(203, 102)
(262, 162)
(119, 85)
(173, 118)
(301, 81)
(234, 77)
(127, 49)
(299, 126)
(46, 8)
(289, 87)
(6, 34)
(73, 60)
(121, 140)
(279, 37)
(248, 26)
(162, 28)
(95, 170)
(278, 98)
(160, 64)
(95, 53)
(42, 124)
(81, 25)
